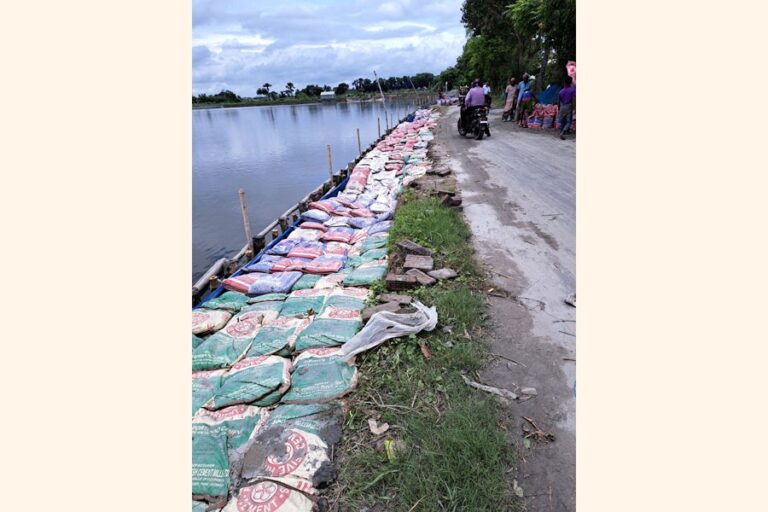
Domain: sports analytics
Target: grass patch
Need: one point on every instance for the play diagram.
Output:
(450, 449)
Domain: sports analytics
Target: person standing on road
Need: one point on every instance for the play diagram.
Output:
(521, 88)
(487, 92)
(566, 103)
(511, 100)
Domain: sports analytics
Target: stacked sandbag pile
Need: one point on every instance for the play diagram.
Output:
(268, 371)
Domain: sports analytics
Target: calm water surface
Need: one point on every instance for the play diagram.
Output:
(277, 154)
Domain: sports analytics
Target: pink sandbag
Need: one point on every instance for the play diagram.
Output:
(308, 250)
(325, 264)
(338, 235)
(257, 283)
(326, 205)
(339, 248)
(290, 264)
(362, 212)
(313, 225)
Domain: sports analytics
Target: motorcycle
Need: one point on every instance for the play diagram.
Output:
(475, 123)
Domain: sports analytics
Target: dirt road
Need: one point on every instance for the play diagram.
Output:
(519, 197)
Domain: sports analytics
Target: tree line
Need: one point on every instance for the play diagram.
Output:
(507, 39)
(360, 85)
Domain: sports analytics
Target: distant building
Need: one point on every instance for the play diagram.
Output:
(327, 95)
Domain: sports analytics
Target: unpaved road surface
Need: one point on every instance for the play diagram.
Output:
(519, 198)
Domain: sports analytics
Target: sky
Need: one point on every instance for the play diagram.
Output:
(239, 45)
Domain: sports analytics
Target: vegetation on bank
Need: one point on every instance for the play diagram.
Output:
(509, 38)
(448, 448)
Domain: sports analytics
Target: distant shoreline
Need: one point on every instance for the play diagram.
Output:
(307, 101)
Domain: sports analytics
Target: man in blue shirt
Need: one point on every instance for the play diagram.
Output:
(522, 87)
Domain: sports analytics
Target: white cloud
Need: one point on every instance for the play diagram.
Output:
(239, 45)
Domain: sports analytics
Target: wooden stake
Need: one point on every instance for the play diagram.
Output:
(246, 220)
(359, 147)
(378, 125)
(330, 162)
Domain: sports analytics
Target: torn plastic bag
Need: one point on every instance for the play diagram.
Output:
(385, 325)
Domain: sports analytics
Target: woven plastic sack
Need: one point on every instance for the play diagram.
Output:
(338, 235)
(331, 329)
(361, 222)
(309, 250)
(268, 297)
(327, 264)
(305, 235)
(304, 302)
(282, 247)
(209, 320)
(336, 221)
(268, 309)
(241, 421)
(290, 264)
(229, 301)
(204, 386)
(315, 215)
(320, 375)
(325, 205)
(380, 227)
(278, 336)
(258, 284)
(306, 281)
(313, 225)
(258, 381)
(210, 460)
(366, 274)
(331, 280)
(227, 346)
(196, 341)
(362, 212)
(347, 298)
(268, 496)
(337, 248)
(372, 255)
(386, 324)
(374, 242)
(264, 264)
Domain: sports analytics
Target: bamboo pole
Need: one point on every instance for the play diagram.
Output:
(378, 125)
(359, 147)
(330, 162)
(246, 220)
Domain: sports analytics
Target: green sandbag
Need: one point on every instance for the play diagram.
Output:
(271, 308)
(312, 418)
(346, 298)
(320, 375)
(241, 422)
(204, 386)
(199, 506)
(366, 274)
(304, 302)
(196, 341)
(221, 350)
(374, 242)
(229, 301)
(210, 460)
(256, 380)
(306, 281)
(268, 297)
(327, 332)
(371, 255)
(277, 336)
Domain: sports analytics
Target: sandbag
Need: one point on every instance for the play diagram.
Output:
(196, 341)
(304, 302)
(361, 222)
(330, 329)
(306, 281)
(338, 235)
(313, 225)
(368, 256)
(204, 386)
(282, 247)
(258, 381)
(290, 264)
(347, 298)
(229, 301)
(380, 227)
(210, 460)
(320, 375)
(242, 423)
(278, 336)
(338, 248)
(309, 250)
(326, 264)
(315, 215)
(374, 242)
(227, 346)
(366, 274)
(209, 320)
(268, 297)
(306, 235)
(269, 310)
(268, 496)
(336, 221)
(331, 280)
(263, 265)
(258, 284)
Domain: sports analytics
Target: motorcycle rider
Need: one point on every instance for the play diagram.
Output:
(474, 99)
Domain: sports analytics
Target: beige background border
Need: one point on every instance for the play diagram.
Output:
(96, 159)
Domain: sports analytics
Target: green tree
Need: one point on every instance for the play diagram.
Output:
(266, 87)
(342, 88)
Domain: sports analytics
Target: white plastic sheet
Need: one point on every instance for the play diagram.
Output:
(385, 325)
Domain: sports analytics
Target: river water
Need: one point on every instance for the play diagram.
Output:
(277, 154)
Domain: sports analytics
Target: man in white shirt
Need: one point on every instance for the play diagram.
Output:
(487, 92)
